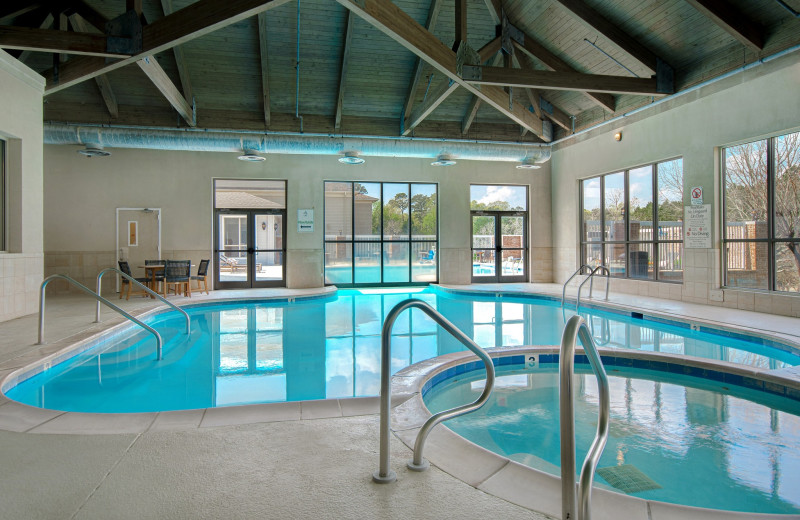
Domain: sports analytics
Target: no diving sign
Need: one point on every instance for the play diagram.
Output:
(697, 196)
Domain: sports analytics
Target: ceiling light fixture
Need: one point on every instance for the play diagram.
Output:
(528, 164)
(94, 151)
(443, 160)
(251, 156)
(351, 158)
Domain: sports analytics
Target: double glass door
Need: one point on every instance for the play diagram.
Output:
(250, 248)
(499, 246)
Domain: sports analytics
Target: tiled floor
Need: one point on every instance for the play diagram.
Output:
(310, 460)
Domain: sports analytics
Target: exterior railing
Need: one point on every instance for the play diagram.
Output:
(159, 342)
(385, 474)
(575, 328)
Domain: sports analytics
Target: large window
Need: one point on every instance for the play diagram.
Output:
(632, 222)
(762, 214)
(380, 233)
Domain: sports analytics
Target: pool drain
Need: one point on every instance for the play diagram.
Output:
(627, 478)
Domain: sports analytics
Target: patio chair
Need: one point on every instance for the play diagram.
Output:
(226, 263)
(177, 273)
(429, 257)
(126, 284)
(202, 274)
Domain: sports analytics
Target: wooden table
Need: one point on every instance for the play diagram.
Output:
(150, 271)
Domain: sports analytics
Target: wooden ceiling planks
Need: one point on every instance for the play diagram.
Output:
(226, 75)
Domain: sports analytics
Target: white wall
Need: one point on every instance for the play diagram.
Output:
(21, 264)
(81, 196)
(764, 100)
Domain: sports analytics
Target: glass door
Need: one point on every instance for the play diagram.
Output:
(499, 247)
(250, 248)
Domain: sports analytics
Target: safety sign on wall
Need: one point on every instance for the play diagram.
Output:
(697, 227)
(697, 196)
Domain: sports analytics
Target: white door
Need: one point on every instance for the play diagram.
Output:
(138, 237)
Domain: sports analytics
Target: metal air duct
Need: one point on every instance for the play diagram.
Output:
(194, 140)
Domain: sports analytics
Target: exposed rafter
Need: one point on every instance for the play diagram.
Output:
(88, 13)
(57, 41)
(433, 16)
(345, 59)
(180, 60)
(46, 24)
(610, 30)
(195, 20)
(264, 55)
(732, 21)
(469, 116)
(475, 102)
(14, 8)
(542, 106)
(423, 110)
(162, 82)
(490, 49)
(545, 79)
(79, 24)
(460, 22)
(395, 23)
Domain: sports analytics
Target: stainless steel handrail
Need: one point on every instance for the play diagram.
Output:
(385, 474)
(591, 285)
(564, 287)
(143, 286)
(159, 342)
(576, 327)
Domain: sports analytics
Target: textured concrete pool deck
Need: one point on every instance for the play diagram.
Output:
(315, 461)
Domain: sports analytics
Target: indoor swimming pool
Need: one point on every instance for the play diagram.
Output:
(672, 438)
(329, 347)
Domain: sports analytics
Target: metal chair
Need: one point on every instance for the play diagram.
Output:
(177, 273)
(202, 274)
(126, 284)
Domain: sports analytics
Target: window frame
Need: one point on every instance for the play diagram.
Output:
(381, 237)
(771, 241)
(654, 242)
(3, 194)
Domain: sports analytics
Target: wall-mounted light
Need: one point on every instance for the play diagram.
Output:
(263, 225)
(618, 136)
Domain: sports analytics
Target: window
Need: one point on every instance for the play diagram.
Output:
(380, 233)
(762, 214)
(632, 222)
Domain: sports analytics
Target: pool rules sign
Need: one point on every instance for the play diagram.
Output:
(697, 226)
(305, 220)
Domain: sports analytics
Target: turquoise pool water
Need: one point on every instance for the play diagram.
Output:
(683, 440)
(240, 353)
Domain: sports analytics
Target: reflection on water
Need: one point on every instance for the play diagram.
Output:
(700, 446)
(330, 348)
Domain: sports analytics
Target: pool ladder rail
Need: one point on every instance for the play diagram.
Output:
(589, 278)
(141, 286)
(385, 475)
(576, 328)
(100, 299)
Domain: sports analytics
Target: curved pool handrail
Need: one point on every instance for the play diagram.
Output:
(143, 286)
(591, 285)
(159, 342)
(564, 287)
(576, 327)
(385, 474)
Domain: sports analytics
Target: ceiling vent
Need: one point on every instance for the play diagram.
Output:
(443, 160)
(94, 151)
(251, 156)
(351, 158)
(528, 164)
